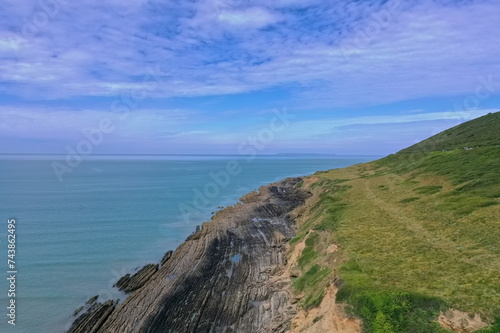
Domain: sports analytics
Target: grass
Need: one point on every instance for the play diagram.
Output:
(479, 132)
(418, 232)
(297, 238)
(438, 249)
(307, 256)
(461, 205)
(431, 189)
(472, 172)
(332, 215)
(329, 182)
(493, 329)
(316, 230)
(393, 311)
(383, 187)
(312, 240)
(311, 284)
(408, 200)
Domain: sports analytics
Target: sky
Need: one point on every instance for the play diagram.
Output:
(230, 77)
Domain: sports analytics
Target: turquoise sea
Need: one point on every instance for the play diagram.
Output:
(112, 214)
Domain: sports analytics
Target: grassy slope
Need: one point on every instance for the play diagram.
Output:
(419, 232)
(480, 132)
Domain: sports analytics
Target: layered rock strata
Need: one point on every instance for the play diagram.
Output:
(227, 277)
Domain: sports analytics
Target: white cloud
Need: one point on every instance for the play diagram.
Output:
(67, 124)
(248, 18)
(207, 47)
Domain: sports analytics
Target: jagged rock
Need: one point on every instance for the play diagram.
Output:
(77, 311)
(166, 257)
(225, 279)
(91, 321)
(129, 283)
(92, 300)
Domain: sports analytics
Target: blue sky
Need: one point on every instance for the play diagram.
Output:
(206, 76)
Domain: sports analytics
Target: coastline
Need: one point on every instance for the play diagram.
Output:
(226, 277)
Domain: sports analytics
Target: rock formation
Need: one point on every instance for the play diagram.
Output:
(129, 283)
(223, 278)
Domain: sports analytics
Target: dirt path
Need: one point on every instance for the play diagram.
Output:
(420, 232)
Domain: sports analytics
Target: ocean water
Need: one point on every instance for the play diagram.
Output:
(111, 215)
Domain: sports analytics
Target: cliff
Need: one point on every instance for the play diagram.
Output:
(408, 243)
(227, 277)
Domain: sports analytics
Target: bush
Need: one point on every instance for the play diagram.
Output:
(394, 311)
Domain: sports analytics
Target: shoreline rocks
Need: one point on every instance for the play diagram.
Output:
(229, 278)
(93, 318)
(128, 283)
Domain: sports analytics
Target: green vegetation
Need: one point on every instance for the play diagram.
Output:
(308, 255)
(432, 189)
(297, 238)
(473, 172)
(407, 200)
(310, 283)
(493, 329)
(330, 183)
(479, 132)
(474, 175)
(418, 232)
(316, 230)
(394, 312)
(383, 187)
(331, 216)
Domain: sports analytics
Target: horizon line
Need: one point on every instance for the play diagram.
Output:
(200, 154)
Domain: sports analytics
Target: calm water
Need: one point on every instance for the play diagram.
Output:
(109, 216)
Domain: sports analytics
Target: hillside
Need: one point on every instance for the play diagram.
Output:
(405, 239)
(479, 132)
(406, 244)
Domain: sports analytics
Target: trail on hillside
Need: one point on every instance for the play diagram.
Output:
(441, 243)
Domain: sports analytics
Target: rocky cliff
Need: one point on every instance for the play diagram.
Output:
(227, 277)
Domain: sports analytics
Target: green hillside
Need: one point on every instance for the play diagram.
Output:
(418, 233)
(480, 132)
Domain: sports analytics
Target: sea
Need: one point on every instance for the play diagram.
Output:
(77, 231)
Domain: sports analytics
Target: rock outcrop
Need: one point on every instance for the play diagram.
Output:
(227, 277)
(93, 318)
(129, 283)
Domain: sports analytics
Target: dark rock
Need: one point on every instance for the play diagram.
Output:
(166, 257)
(201, 287)
(92, 320)
(129, 283)
(92, 300)
(77, 311)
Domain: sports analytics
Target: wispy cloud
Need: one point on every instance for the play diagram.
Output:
(222, 47)
(335, 55)
(56, 123)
